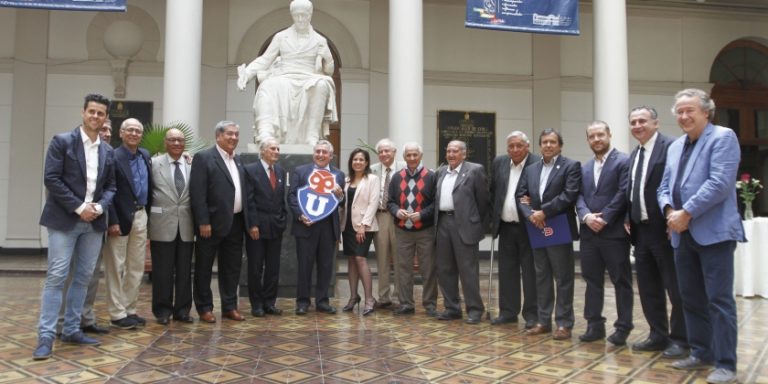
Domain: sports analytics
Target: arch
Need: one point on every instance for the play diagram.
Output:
(136, 15)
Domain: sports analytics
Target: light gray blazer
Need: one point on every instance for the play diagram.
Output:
(169, 212)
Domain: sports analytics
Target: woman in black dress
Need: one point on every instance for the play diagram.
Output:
(358, 224)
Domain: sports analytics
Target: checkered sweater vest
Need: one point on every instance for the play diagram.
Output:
(412, 197)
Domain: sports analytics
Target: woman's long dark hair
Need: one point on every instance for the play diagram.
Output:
(367, 157)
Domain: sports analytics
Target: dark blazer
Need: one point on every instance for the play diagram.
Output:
(657, 222)
(609, 197)
(500, 184)
(124, 204)
(65, 179)
(560, 193)
(266, 208)
(470, 200)
(299, 178)
(212, 191)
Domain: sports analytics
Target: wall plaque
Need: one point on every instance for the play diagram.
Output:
(477, 129)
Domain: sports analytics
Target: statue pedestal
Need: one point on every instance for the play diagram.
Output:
(288, 263)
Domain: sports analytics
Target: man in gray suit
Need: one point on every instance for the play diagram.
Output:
(171, 232)
(462, 200)
(384, 239)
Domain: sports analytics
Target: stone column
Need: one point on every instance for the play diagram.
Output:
(610, 69)
(406, 71)
(183, 46)
(546, 90)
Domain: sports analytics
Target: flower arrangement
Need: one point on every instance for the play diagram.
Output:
(748, 189)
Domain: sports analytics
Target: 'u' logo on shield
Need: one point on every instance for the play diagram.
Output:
(315, 199)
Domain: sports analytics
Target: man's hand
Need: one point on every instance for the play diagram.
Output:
(205, 231)
(338, 192)
(305, 220)
(595, 221)
(537, 218)
(254, 233)
(89, 213)
(526, 200)
(415, 216)
(114, 230)
(627, 228)
(678, 220)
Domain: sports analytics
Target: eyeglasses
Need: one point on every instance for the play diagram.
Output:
(176, 140)
(135, 131)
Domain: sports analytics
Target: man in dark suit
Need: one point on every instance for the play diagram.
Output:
(127, 233)
(514, 247)
(171, 232)
(79, 177)
(462, 201)
(654, 257)
(265, 197)
(550, 188)
(219, 207)
(316, 241)
(698, 197)
(601, 207)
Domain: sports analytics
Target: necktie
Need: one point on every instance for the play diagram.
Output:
(686, 155)
(385, 192)
(635, 213)
(178, 178)
(272, 178)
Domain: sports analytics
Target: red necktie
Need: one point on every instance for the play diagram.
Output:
(272, 178)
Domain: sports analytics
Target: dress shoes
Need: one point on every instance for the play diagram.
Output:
(403, 310)
(674, 351)
(431, 312)
(163, 320)
(185, 319)
(95, 328)
(272, 310)
(650, 345)
(326, 308)
(594, 333)
(691, 363)
(385, 304)
(233, 315)
(301, 310)
(124, 323)
(449, 315)
(472, 320)
(501, 319)
(79, 338)
(257, 312)
(208, 317)
(562, 333)
(618, 337)
(538, 329)
(44, 349)
(721, 375)
(530, 324)
(140, 321)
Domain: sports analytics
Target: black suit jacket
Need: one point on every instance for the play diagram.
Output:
(653, 176)
(212, 191)
(560, 193)
(470, 200)
(609, 197)
(299, 178)
(500, 184)
(266, 207)
(124, 204)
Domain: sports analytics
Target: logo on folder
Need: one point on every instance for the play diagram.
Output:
(316, 199)
(556, 231)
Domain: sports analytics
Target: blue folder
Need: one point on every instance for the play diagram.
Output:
(556, 231)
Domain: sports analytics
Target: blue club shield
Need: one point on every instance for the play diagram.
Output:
(316, 199)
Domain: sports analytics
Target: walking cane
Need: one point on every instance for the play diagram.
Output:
(490, 283)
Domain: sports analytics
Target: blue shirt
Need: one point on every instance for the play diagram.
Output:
(140, 182)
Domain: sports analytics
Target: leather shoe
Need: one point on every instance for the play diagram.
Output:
(562, 333)
(208, 317)
(674, 351)
(326, 308)
(501, 319)
(538, 329)
(448, 315)
(384, 304)
(301, 310)
(272, 310)
(649, 345)
(594, 333)
(431, 312)
(618, 337)
(233, 315)
(185, 319)
(79, 338)
(530, 324)
(691, 363)
(472, 320)
(257, 312)
(95, 328)
(163, 320)
(44, 349)
(402, 310)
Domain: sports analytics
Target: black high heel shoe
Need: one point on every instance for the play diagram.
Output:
(351, 304)
(368, 310)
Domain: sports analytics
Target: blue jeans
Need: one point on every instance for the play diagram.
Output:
(705, 278)
(83, 244)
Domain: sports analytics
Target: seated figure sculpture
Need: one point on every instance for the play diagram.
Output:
(296, 99)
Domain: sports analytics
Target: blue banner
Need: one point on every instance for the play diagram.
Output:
(535, 16)
(69, 5)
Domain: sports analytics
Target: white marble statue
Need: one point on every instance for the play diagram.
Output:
(296, 98)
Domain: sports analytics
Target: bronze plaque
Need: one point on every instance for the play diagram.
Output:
(477, 129)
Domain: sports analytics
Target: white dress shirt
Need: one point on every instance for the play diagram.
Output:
(509, 209)
(649, 145)
(91, 170)
(229, 160)
(446, 190)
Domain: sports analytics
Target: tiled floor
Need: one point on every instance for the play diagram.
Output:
(344, 348)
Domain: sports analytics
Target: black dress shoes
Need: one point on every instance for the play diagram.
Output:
(449, 315)
(184, 319)
(404, 311)
(431, 312)
(674, 351)
(257, 312)
(94, 328)
(618, 337)
(650, 345)
(301, 310)
(501, 319)
(385, 304)
(594, 333)
(472, 320)
(272, 310)
(326, 308)
(163, 320)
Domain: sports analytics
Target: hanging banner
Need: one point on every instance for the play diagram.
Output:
(68, 5)
(535, 16)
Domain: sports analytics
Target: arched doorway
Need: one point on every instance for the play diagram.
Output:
(335, 128)
(740, 77)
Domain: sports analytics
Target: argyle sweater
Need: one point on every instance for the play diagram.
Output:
(414, 192)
